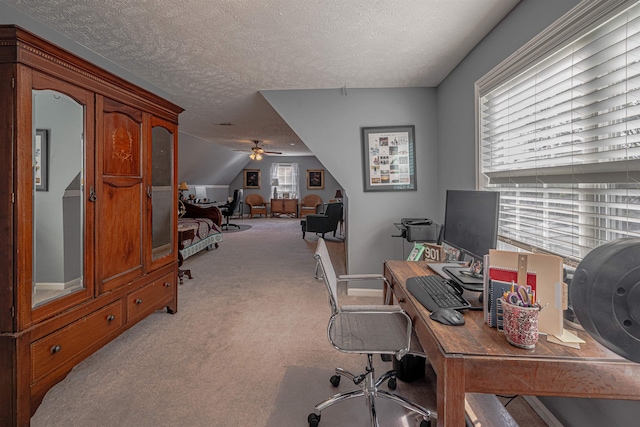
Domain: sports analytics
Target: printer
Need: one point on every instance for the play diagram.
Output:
(418, 230)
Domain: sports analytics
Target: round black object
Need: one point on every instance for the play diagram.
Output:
(605, 294)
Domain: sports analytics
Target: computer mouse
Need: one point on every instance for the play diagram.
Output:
(447, 316)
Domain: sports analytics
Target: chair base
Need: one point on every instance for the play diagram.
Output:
(227, 224)
(369, 390)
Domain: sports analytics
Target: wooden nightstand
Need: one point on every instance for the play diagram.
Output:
(185, 232)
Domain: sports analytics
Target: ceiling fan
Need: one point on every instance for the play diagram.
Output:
(257, 151)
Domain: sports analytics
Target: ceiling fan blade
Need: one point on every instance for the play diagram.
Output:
(272, 152)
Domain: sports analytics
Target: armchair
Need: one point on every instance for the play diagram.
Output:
(229, 209)
(257, 205)
(323, 223)
(309, 205)
(364, 329)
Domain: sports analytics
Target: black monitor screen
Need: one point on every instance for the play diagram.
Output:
(471, 222)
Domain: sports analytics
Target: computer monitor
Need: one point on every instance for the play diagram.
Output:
(470, 230)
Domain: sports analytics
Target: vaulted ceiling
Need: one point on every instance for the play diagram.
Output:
(213, 56)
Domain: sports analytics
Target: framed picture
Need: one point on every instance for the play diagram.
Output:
(388, 158)
(416, 252)
(251, 178)
(41, 160)
(315, 179)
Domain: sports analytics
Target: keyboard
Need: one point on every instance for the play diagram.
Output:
(434, 292)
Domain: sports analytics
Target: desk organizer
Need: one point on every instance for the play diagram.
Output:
(520, 325)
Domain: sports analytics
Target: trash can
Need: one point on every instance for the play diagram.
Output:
(410, 368)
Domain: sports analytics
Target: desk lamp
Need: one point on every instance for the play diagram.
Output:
(338, 195)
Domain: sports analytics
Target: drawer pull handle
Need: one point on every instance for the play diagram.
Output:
(139, 301)
(401, 300)
(54, 349)
(110, 318)
(167, 284)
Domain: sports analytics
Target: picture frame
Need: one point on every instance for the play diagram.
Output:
(41, 160)
(416, 252)
(388, 158)
(252, 178)
(315, 179)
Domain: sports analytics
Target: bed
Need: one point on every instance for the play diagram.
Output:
(205, 221)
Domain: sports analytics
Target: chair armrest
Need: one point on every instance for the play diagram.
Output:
(377, 308)
(373, 276)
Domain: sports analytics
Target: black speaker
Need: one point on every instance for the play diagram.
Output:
(605, 295)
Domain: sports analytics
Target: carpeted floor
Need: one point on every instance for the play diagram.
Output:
(247, 346)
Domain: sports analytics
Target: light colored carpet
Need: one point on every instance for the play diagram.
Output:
(250, 327)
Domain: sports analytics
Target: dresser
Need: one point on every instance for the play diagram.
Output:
(284, 207)
(90, 227)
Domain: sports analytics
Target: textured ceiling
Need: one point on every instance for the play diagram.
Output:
(213, 56)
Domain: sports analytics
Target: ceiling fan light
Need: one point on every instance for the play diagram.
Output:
(252, 156)
(258, 156)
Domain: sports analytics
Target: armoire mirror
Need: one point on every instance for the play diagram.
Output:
(58, 209)
(162, 191)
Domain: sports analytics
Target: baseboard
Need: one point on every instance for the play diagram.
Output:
(364, 292)
(542, 411)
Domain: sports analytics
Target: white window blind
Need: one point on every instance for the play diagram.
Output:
(561, 142)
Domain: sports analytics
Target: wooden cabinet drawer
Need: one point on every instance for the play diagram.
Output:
(151, 297)
(69, 342)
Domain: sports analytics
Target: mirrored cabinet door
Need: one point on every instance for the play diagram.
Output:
(58, 166)
(162, 191)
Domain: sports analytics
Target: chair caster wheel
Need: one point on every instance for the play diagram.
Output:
(314, 420)
(335, 380)
(425, 423)
(392, 384)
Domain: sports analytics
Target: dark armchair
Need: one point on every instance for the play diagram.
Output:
(323, 223)
(229, 209)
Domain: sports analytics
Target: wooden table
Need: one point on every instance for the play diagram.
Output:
(475, 358)
(285, 207)
(185, 232)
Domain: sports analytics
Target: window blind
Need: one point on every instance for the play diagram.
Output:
(560, 140)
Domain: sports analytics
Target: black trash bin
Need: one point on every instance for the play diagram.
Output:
(410, 368)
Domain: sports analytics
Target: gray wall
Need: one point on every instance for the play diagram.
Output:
(329, 124)
(456, 142)
(201, 162)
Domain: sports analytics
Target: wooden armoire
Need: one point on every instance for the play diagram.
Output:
(88, 214)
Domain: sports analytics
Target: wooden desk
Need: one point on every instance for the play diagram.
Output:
(475, 358)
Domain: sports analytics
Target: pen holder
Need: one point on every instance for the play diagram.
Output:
(520, 325)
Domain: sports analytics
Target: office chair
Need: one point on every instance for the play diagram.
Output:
(228, 209)
(366, 329)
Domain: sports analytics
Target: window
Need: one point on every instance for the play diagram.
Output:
(559, 137)
(284, 179)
